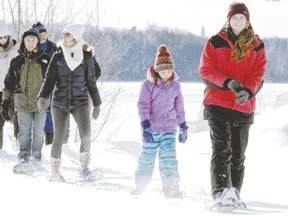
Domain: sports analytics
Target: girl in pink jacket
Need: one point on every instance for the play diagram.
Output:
(161, 109)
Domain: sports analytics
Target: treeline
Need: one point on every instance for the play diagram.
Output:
(126, 54)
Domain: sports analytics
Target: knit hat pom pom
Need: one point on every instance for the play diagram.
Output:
(163, 50)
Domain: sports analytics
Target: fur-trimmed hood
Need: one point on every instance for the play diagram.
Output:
(151, 72)
(88, 48)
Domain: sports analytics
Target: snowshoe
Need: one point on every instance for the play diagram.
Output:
(137, 191)
(56, 177)
(228, 200)
(36, 163)
(174, 194)
(91, 175)
(23, 167)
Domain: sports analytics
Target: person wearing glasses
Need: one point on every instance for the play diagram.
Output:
(71, 78)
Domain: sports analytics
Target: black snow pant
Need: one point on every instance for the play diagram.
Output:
(229, 132)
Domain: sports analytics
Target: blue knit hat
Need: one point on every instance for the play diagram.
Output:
(39, 27)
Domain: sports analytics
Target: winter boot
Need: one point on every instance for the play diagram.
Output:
(55, 170)
(23, 166)
(48, 138)
(36, 163)
(84, 160)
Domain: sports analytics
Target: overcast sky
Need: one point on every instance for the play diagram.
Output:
(268, 17)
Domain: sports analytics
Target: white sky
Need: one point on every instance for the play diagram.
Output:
(267, 16)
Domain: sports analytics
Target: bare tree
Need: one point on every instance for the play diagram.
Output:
(55, 14)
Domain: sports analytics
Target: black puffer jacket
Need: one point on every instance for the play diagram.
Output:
(70, 87)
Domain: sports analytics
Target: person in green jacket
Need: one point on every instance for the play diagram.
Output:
(24, 80)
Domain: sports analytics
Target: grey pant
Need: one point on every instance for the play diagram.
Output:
(61, 122)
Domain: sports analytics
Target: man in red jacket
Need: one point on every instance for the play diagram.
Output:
(232, 66)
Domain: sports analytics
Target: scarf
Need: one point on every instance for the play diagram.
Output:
(73, 55)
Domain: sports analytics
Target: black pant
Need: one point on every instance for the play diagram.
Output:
(229, 132)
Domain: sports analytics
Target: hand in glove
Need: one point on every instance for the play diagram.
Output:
(234, 85)
(43, 104)
(183, 133)
(242, 96)
(96, 112)
(147, 135)
(5, 109)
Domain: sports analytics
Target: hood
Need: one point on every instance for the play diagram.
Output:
(151, 72)
(30, 31)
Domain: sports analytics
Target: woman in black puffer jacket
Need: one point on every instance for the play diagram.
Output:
(71, 77)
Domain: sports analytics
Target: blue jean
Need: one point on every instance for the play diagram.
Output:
(168, 164)
(31, 125)
(48, 123)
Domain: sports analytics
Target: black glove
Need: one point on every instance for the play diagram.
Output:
(183, 133)
(234, 85)
(242, 96)
(5, 109)
(147, 135)
(147, 132)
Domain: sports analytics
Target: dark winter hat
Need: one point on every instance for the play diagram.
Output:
(238, 8)
(163, 60)
(31, 32)
(39, 27)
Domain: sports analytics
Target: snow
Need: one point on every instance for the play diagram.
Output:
(116, 152)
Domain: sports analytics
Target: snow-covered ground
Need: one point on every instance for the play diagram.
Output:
(116, 151)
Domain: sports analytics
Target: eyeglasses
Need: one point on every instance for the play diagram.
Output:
(66, 35)
(4, 37)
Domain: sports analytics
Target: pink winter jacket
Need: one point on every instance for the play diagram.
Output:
(161, 104)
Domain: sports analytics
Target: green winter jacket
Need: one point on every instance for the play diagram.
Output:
(24, 79)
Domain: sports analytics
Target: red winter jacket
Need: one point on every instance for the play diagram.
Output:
(217, 68)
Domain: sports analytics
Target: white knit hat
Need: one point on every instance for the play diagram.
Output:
(4, 30)
(76, 30)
